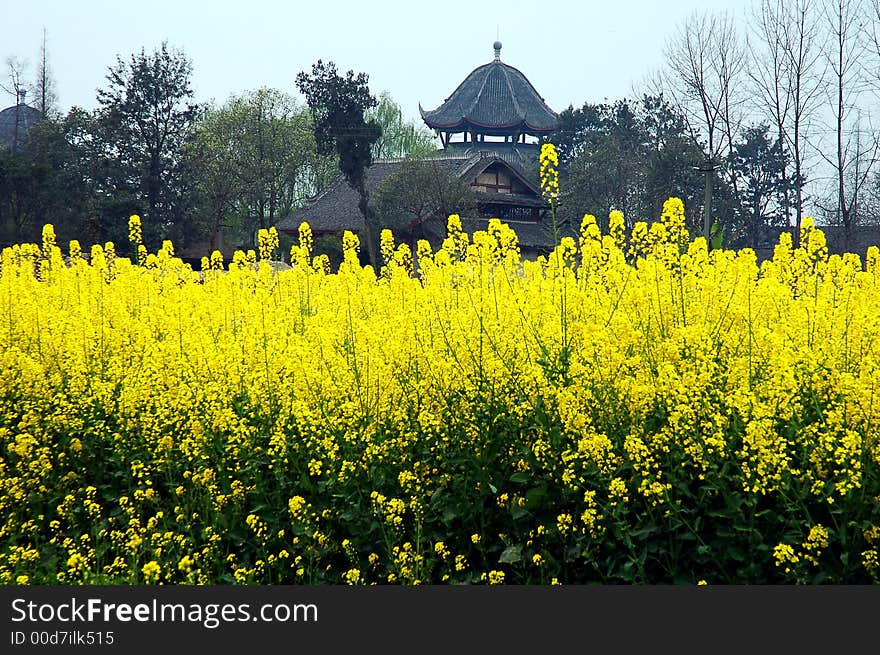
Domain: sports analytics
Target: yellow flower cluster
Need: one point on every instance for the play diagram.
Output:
(549, 172)
(267, 241)
(461, 415)
(135, 232)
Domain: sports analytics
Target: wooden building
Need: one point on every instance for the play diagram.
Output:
(490, 128)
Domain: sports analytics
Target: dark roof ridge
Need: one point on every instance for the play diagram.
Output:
(479, 94)
(441, 156)
(516, 106)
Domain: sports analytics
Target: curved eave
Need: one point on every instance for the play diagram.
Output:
(465, 123)
(518, 200)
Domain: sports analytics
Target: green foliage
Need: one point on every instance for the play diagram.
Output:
(145, 116)
(422, 189)
(630, 156)
(759, 162)
(400, 138)
(338, 105)
(627, 156)
(254, 160)
(61, 174)
(36, 184)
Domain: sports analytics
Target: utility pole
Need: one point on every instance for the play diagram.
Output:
(709, 166)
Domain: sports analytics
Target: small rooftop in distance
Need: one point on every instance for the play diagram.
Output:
(15, 121)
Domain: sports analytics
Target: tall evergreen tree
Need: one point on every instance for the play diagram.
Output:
(338, 105)
(764, 185)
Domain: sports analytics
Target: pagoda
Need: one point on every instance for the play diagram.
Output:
(490, 128)
(495, 107)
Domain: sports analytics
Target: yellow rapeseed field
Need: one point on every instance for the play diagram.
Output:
(630, 408)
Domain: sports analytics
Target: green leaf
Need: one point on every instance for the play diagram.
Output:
(644, 532)
(737, 554)
(535, 495)
(517, 512)
(511, 555)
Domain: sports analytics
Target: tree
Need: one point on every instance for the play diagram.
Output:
(603, 161)
(16, 87)
(276, 148)
(673, 157)
(706, 62)
(43, 182)
(146, 114)
(805, 78)
(112, 197)
(787, 75)
(422, 189)
(400, 138)
(629, 155)
(254, 160)
(764, 183)
(44, 88)
(857, 149)
(770, 74)
(212, 156)
(849, 204)
(338, 105)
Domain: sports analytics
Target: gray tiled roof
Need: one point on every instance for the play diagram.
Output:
(494, 96)
(336, 208)
(524, 158)
(27, 116)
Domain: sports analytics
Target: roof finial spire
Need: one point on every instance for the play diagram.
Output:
(497, 46)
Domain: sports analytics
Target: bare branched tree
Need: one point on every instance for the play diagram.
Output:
(706, 62)
(803, 48)
(873, 33)
(44, 88)
(770, 73)
(858, 147)
(14, 85)
(787, 71)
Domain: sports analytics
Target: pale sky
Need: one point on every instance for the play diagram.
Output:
(572, 52)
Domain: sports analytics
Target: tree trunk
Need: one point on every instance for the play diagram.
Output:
(707, 207)
(153, 183)
(367, 213)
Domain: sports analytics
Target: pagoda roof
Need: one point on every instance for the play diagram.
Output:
(25, 115)
(495, 97)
